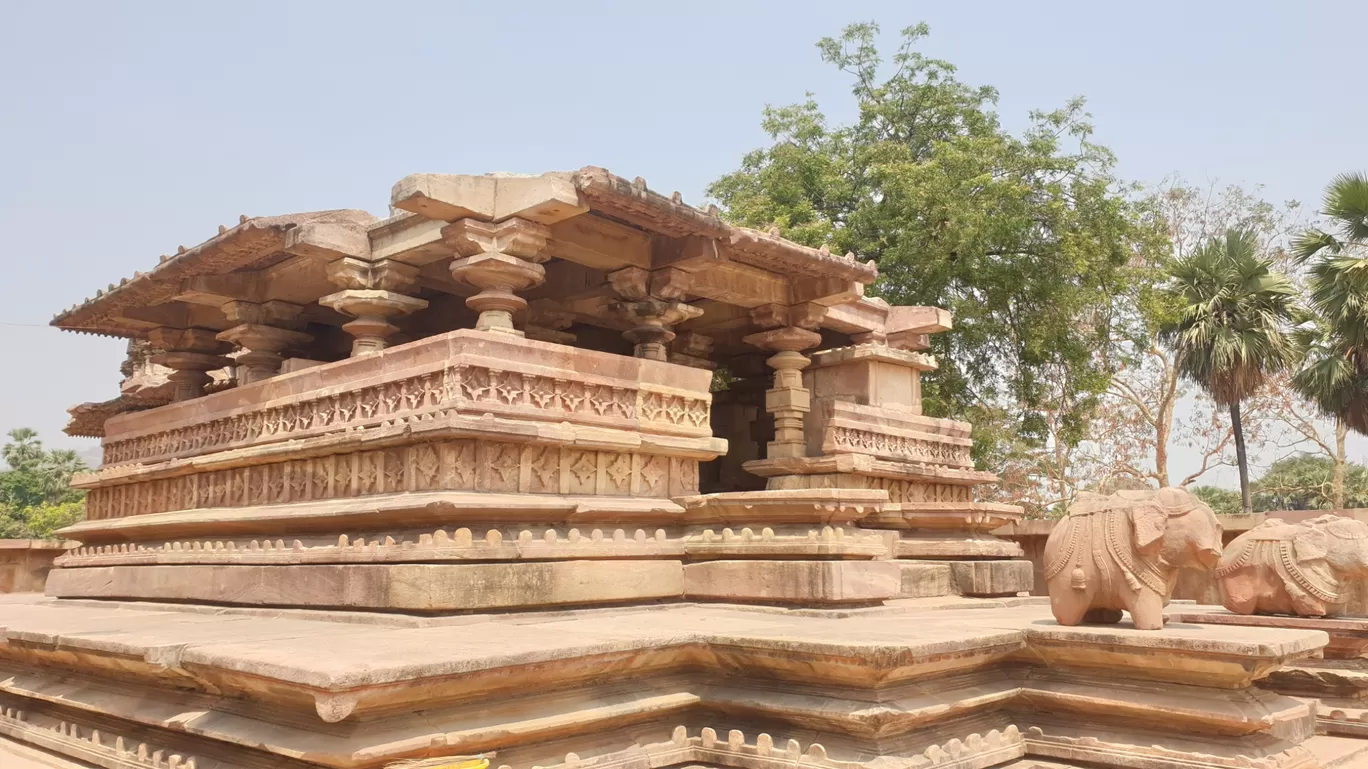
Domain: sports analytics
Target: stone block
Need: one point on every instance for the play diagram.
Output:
(793, 582)
(925, 580)
(991, 578)
(404, 587)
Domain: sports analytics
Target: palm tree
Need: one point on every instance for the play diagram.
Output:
(1233, 311)
(24, 449)
(1334, 374)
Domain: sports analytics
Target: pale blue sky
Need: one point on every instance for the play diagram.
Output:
(129, 128)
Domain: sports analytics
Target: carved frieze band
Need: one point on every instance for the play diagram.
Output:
(899, 446)
(452, 388)
(455, 465)
(912, 492)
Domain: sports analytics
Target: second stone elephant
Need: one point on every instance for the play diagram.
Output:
(1308, 569)
(1123, 552)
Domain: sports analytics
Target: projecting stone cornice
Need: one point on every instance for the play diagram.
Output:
(232, 249)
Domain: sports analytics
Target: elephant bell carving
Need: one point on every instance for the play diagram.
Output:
(1122, 552)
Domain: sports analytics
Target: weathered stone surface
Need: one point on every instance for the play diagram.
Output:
(1311, 568)
(412, 587)
(24, 563)
(795, 582)
(479, 680)
(925, 580)
(990, 578)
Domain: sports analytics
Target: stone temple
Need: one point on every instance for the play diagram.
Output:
(567, 473)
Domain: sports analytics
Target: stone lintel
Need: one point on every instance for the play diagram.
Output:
(872, 353)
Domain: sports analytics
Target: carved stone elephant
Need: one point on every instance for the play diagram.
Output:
(1307, 568)
(1123, 551)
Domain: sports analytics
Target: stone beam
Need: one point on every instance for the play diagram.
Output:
(327, 241)
(414, 240)
(827, 292)
(544, 199)
(596, 242)
(858, 317)
(214, 290)
(917, 320)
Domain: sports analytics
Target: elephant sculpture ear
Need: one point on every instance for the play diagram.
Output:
(1149, 521)
(1310, 544)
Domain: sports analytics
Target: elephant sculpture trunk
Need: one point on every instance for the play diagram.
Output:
(1122, 553)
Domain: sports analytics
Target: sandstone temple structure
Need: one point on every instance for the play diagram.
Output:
(563, 471)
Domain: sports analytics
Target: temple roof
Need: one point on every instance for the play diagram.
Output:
(599, 223)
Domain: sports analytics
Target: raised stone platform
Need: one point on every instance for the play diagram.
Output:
(647, 686)
(1337, 681)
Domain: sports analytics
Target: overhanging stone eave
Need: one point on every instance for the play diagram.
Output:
(229, 250)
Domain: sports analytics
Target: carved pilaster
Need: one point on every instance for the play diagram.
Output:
(651, 305)
(498, 258)
(191, 353)
(262, 334)
(372, 293)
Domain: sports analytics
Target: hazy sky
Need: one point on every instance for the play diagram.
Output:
(129, 128)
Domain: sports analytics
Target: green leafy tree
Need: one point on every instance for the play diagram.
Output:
(36, 497)
(1307, 482)
(1230, 333)
(1027, 239)
(1222, 501)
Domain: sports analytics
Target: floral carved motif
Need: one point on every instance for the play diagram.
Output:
(453, 465)
(676, 410)
(451, 388)
(883, 444)
(913, 492)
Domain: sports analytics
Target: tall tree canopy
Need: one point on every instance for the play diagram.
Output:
(1028, 240)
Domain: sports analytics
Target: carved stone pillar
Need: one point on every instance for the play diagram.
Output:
(191, 353)
(262, 334)
(788, 400)
(498, 258)
(651, 305)
(371, 293)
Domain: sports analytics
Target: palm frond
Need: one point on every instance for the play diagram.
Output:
(1346, 201)
(1235, 310)
(1313, 241)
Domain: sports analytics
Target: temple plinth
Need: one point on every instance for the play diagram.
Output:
(563, 471)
